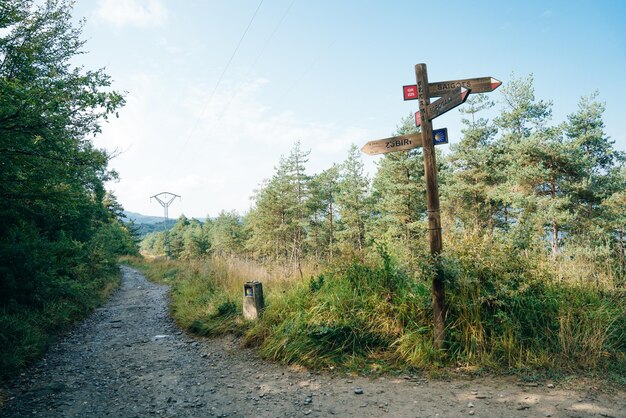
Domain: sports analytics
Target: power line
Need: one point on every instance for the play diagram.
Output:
(306, 71)
(270, 38)
(267, 42)
(219, 80)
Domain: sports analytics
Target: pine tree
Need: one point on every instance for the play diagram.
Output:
(175, 240)
(599, 163)
(267, 220)
(521, 117)
(195, 242)
(297, 197)
(227, 237)
(354, 204)
(614, 221)
(279, 219)
(473, 161)
(546, 168)
(399, 193)
(323, 213)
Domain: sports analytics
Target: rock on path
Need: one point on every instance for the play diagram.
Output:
(129, 360)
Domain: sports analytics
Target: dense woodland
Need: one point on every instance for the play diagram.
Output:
(547, 189)
(60, 234)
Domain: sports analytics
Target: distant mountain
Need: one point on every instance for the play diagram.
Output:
(145, 224)
(142, 219)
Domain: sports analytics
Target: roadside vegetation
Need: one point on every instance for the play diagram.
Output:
(506, 313)
(61, 233)
(533, 216)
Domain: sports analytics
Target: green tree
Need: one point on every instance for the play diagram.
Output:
(297, 196)
(267, 221)
(175, 238)
(354, 202)
(51, 176)
(475, 170)
(545, 169)
(195, 242)
(321, 235)
(614, 218)
(399, 193)
(60, 234)
(599, 164)
(521, 113)
(279, 220)
(521, 117)
(227, 236)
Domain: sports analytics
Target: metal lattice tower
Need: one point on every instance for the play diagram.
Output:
(165, 199)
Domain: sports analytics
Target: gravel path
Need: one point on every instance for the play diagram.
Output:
(129, 360)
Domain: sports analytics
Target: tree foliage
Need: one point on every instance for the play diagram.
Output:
(61, 232)
(59, 223)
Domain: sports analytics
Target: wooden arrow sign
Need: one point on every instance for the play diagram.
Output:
(444, 104)
(403, 142)
(476, 85)
(447, 102)
(441, 88)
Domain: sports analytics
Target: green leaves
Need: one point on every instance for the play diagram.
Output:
(60, 233)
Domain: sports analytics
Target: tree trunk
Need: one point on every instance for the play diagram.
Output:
(621, 250)
(555, 225)
(555, 238)
(330, 220)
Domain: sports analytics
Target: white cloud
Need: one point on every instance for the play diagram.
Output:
(139, 13)
(214, 154)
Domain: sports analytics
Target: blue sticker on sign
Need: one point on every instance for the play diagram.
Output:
(440, 136)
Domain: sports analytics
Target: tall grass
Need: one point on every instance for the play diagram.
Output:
(207, 294)
(26, 330)
(506, 311)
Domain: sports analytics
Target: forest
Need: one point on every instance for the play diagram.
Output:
(533, 216)
(61, 231)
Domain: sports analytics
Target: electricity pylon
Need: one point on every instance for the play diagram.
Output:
(165, 199)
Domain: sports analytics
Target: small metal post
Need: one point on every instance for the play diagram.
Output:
(253, 302)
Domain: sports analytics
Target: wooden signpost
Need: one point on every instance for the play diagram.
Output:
(403, 142)
(452, 94)
(476, 85)
(448, 102)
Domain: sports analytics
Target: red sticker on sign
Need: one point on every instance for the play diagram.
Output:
(410, 92)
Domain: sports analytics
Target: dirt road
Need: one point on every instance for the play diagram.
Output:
(129, 360)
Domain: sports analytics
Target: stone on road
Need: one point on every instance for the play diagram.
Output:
(129, 359)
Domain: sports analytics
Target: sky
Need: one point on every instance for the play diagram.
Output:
(217, 91)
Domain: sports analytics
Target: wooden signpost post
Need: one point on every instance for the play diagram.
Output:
(451, 93)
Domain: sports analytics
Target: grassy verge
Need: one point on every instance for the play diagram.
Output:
(26, 331)
(507, 313)
(207, 294)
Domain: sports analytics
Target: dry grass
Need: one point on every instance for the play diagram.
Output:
(505, 312)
